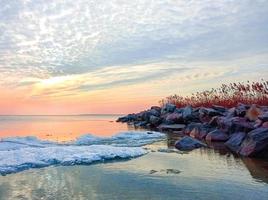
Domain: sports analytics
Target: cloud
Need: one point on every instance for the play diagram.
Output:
(65, 48)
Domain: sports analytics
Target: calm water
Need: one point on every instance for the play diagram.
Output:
(60, 128)
(202, 173)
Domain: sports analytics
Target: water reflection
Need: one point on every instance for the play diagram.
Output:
(217, 151)
(60, 128)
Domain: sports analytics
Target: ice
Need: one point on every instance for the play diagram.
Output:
(128, 138)
(21, 153)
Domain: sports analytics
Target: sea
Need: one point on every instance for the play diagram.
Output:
(94, 157)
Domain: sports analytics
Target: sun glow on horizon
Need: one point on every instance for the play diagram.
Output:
(110, 57)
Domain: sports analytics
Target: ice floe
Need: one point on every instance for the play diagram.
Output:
(20, 153)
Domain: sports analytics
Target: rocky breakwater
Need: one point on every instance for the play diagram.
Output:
(243, 129)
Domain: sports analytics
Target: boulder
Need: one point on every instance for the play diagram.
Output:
(155, 112)
(168, 108)
(255, 143)
(265, 125)
(187, 113)
(200, 132)
(155, 121)
(235, 141)
(173, 118)
(253, 113)
(140, 123)
(172, 127)
(156, 108)
(127, 118)
(241, 110)
(230, 113)
(264, 117)
(190, 127)
(209, 112)
(235, 124)
(217, 135)
(187, 143)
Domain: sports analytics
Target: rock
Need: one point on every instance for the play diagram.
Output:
(155, 121)
(264, 117)
(156, 108)
(179, 110)
(152, 171)
(217, 135)
(241, 110)
(253, 113)
(173, 171)
(235, 124)
(173, 118)
(187, 113)
(178, 133)
(209, 112)
(255, 143)
(168, 108)
(230, 113)
(200, 132)
(213, 121)
(257, 123)
(140, 124)
(235, 141)
(187, 143)
(127, 118)
(190, 127)
(265, 125)
(219, 108)
(155, 112)
(172, 127)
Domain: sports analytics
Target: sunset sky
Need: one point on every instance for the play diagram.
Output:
(116, 56)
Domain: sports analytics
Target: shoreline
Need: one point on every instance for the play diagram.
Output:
(200, 174)
(243, 129)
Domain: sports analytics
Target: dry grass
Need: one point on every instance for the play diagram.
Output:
(228, 95)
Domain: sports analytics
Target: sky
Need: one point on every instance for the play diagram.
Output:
(121, 56)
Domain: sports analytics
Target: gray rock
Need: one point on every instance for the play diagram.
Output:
(168, 108)
(241, 110)
(217, 135)
(187, 143)
(235, 141)
(255, 143)
(155, 120)
(264, 117)
(209, 112)
(187, 113)
(172, 127)
(155, 112)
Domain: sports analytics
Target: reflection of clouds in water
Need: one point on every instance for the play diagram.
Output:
(203, 171)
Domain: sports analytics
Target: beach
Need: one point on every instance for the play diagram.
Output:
(162, 173)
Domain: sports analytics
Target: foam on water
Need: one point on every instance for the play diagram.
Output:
(20, 153)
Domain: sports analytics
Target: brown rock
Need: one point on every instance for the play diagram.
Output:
(253, 113)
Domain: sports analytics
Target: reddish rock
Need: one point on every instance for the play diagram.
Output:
(217, 135)
(253, 113)
(174, 118)
(265, 125)
(255, 143)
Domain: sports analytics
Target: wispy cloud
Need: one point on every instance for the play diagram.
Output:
(57, 49)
